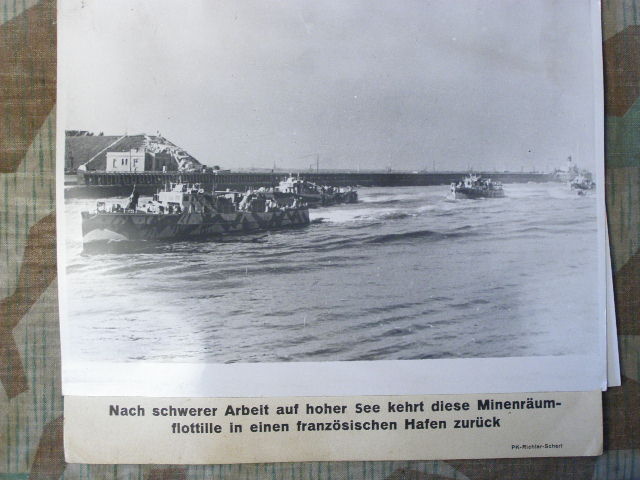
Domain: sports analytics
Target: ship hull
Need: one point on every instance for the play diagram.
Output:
(468, 193)
(582, 186)
(320, 199)
(186, 226)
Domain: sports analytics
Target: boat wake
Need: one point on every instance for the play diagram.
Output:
(417, 235)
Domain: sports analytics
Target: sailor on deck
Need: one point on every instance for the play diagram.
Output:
(133, 200)
(245, 202)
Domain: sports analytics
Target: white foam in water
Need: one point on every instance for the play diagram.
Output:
(388, 198)
(103, 235)
(344, 215)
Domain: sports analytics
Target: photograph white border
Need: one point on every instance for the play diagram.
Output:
(447, 376)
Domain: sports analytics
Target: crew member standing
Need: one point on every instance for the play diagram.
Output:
(133, 199)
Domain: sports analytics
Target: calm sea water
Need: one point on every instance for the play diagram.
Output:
(404, 274)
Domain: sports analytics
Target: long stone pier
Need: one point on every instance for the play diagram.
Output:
(103, 184)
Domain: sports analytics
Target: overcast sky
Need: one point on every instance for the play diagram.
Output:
(370, 83)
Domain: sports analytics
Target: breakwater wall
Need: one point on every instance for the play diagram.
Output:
(103, 184)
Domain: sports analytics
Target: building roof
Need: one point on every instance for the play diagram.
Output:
(91, 150)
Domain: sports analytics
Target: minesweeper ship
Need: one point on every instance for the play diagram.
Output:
(314, 195)
(474, 186)
(186, 212)
(582, 183)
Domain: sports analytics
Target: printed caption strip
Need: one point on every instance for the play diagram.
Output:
(249, 430)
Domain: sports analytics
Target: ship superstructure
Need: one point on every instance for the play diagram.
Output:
(475, 186)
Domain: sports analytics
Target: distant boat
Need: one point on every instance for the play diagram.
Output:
(474, 186)
(582, 183)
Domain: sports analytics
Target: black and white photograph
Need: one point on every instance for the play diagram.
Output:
(330, 197)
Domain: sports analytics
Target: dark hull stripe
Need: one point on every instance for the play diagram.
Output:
(141, 226)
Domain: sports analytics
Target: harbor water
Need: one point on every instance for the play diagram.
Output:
(403, 274)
